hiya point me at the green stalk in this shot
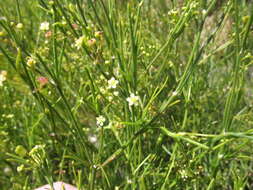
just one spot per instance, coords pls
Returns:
(232, 99)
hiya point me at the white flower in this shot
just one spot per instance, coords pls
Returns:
(44, 26)
(116, 93)
(204, 12)
(79, 42)
(93, 139)
(2, 77)
(31, 62)
(174, 93)
(129, 181)
(112, 83)
(133, 100)
(9, 116)
(7, 170)
(110, 98)
(19, 26)
(100, 121)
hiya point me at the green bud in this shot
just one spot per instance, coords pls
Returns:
(21, 151)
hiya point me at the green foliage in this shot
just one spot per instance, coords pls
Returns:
(130, 94)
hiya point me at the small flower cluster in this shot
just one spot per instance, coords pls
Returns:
(110, 89)
(183, 174)
(87, 40)
(79, 42)
(112, 84)
(44, 26)
(100, 121)
(19, 26)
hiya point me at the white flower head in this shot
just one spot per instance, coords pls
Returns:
(133, 100)
(93, 139)
(112, 83)
(31, 62)
(79, 42)
(44, 26)
(183, 174)
(100, 121)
